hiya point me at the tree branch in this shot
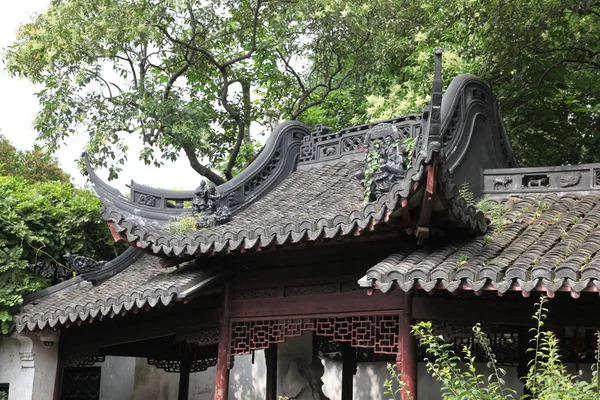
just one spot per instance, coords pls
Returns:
(199, 168)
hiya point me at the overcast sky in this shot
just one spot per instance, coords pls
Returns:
(19, 105)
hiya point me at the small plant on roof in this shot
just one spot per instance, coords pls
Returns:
(466, 193)
(182, 224)
(494, 211)
(462, 260)
(374, 161)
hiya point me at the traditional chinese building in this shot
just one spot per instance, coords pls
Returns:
(310, 266)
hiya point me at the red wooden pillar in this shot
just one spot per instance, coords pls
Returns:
(222, 380)
(406, 360)
(271, 364)
(184, 373)
(348, 370)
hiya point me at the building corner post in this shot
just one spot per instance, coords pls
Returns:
(222, 379)
(406, 360)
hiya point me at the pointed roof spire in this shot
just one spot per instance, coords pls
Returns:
(436, 98)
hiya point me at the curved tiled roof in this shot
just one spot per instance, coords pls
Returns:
(305, 188)
(142, 284)
(320, 202)
(546, 243)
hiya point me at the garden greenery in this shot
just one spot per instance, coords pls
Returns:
(547, 378)
(40, 222)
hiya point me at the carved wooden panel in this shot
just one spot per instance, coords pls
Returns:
(175, 365)
(310, 289)
(81, 383)
(264, 293)
(379, 332)
(200, 337)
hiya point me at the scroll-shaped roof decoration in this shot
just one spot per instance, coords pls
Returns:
(303, 185)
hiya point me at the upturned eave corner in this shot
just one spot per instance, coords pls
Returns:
(276, 161)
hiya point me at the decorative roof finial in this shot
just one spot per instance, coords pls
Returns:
(436, 97)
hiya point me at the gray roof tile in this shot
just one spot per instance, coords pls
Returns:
(143, 283)
(321, 202)
(547, 243)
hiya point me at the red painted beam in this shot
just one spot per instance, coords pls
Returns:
(222, 379)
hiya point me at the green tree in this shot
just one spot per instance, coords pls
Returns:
(36, 165)
(185, 75)
(541, 58)
(41, 222)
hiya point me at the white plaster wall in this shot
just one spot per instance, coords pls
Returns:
(369, 378)
(45, 361)
(126, 378)
(154, 383)
(367, 383)
(20, 379)
(117, 378)
(248, 381)
(202, 384)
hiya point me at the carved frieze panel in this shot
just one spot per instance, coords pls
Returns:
(567, 178)
(597, 177)
(255, 294)
(324, 145)
(82, 359)
(201, 337)
(262, 175)
(148, 200)
(175, 365)
(310, 289)
(379, 332)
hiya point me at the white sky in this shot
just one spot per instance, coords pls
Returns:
(19, 105)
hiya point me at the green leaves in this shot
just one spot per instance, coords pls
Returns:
(40, 222)
(547, 377)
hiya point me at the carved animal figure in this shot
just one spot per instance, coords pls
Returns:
(541, 182)
(502, 182)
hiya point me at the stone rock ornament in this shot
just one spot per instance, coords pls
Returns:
(569, 180)
(384, 163)
(207, 204)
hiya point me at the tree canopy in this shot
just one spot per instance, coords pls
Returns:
(184, 75)
(36, 165)
(43, 218)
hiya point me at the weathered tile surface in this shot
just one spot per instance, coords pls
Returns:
(143, 283)
(544, 242)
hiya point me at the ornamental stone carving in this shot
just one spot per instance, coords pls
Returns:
(207, 204)
(385, 162)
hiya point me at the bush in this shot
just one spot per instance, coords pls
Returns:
(39, 223)
(547, 377)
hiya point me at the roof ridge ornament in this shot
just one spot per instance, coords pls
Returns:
(207, 205)
(433, 112)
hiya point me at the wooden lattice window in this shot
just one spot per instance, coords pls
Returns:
(379, 332)
(81, 383)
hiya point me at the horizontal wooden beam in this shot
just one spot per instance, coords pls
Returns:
(333, 303)
(564, 312)
(142, 326)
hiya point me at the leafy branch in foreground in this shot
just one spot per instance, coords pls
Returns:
(41, 222)
(547, 377)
